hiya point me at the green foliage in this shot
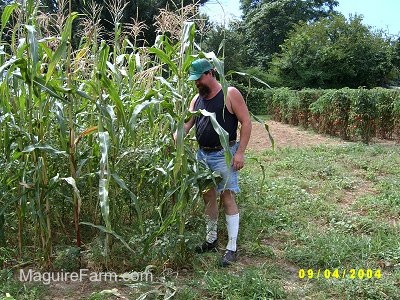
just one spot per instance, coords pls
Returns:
(87, 143)
(396, 113)
(228, 43)
(363, 113)
(258, 99)
(330, 112)
(267, 24)
(2, 236)
(285, 103)
(385, 100)
(13, 289)
(67, 259)
(348, 113)
(252, 283)
(306, 98)
(334, 53)
(396, 56)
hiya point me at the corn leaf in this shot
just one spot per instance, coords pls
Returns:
(43, 147)
(33, 46)
(71, 181)
(165, 59)
(7, 12)
(104, 178)
(109, 231)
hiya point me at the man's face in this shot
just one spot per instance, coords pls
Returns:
(201, 84)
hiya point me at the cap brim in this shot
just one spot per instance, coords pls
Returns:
(195, 76)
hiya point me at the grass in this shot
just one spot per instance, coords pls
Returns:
(320, 208)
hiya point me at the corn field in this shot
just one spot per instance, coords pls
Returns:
(87, 152)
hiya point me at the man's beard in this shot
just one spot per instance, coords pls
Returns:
(204, 91)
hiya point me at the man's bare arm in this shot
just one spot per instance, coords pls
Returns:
(239, 108)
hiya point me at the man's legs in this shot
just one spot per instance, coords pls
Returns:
(211, 205)
(228, 187)
(211, 211)
(229, 203)
(232, 218)
(232, 223)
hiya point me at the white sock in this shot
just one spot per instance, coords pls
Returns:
(232, 224)
(211, 228)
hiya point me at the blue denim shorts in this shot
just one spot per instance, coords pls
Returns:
(216, 162)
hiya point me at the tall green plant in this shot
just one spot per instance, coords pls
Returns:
(87, 138)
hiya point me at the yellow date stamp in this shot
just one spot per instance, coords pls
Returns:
(340, 273)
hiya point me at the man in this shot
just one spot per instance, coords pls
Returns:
(211, 153)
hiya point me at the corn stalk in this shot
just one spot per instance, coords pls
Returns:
(87, 132)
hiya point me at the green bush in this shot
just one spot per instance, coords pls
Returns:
(331, 112)
(396, 113)
(306, 98)
(284, 104)
(363, 113)
(385, 118)
(320, 111)
(258, 99)
(348, 113)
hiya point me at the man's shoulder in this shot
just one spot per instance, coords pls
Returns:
(195, 98)
(233, 92)
(232, 89)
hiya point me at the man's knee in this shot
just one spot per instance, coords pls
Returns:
(227, 194)
(227, 197)
(210, 195)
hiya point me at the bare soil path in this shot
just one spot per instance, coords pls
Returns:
(294, 136)
(286, 136)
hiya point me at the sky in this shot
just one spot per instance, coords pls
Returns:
(379, 14)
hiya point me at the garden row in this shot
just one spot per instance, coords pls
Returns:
(351, 114)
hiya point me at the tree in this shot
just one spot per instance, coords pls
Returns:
(267, 24)
(396, 61)
(227, 43)
(334, 53)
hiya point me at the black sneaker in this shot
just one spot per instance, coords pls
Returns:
(206, 247)
(228, 258)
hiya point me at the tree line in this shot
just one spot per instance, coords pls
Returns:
(300, 44)
(293, 43)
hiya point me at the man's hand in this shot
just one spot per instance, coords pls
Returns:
(238, 161)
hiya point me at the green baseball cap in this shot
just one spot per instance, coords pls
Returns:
(198, 67)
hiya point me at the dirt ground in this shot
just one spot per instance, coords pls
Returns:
(286, 135)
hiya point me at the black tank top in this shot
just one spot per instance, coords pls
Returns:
(205, 134)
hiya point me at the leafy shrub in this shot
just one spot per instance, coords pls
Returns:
(363, 113)
(68, 259)
(306, 98)
(385, 118)
(258, 99)
(331, 112)
(284, 103)
(348, 113)
(396, 114)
